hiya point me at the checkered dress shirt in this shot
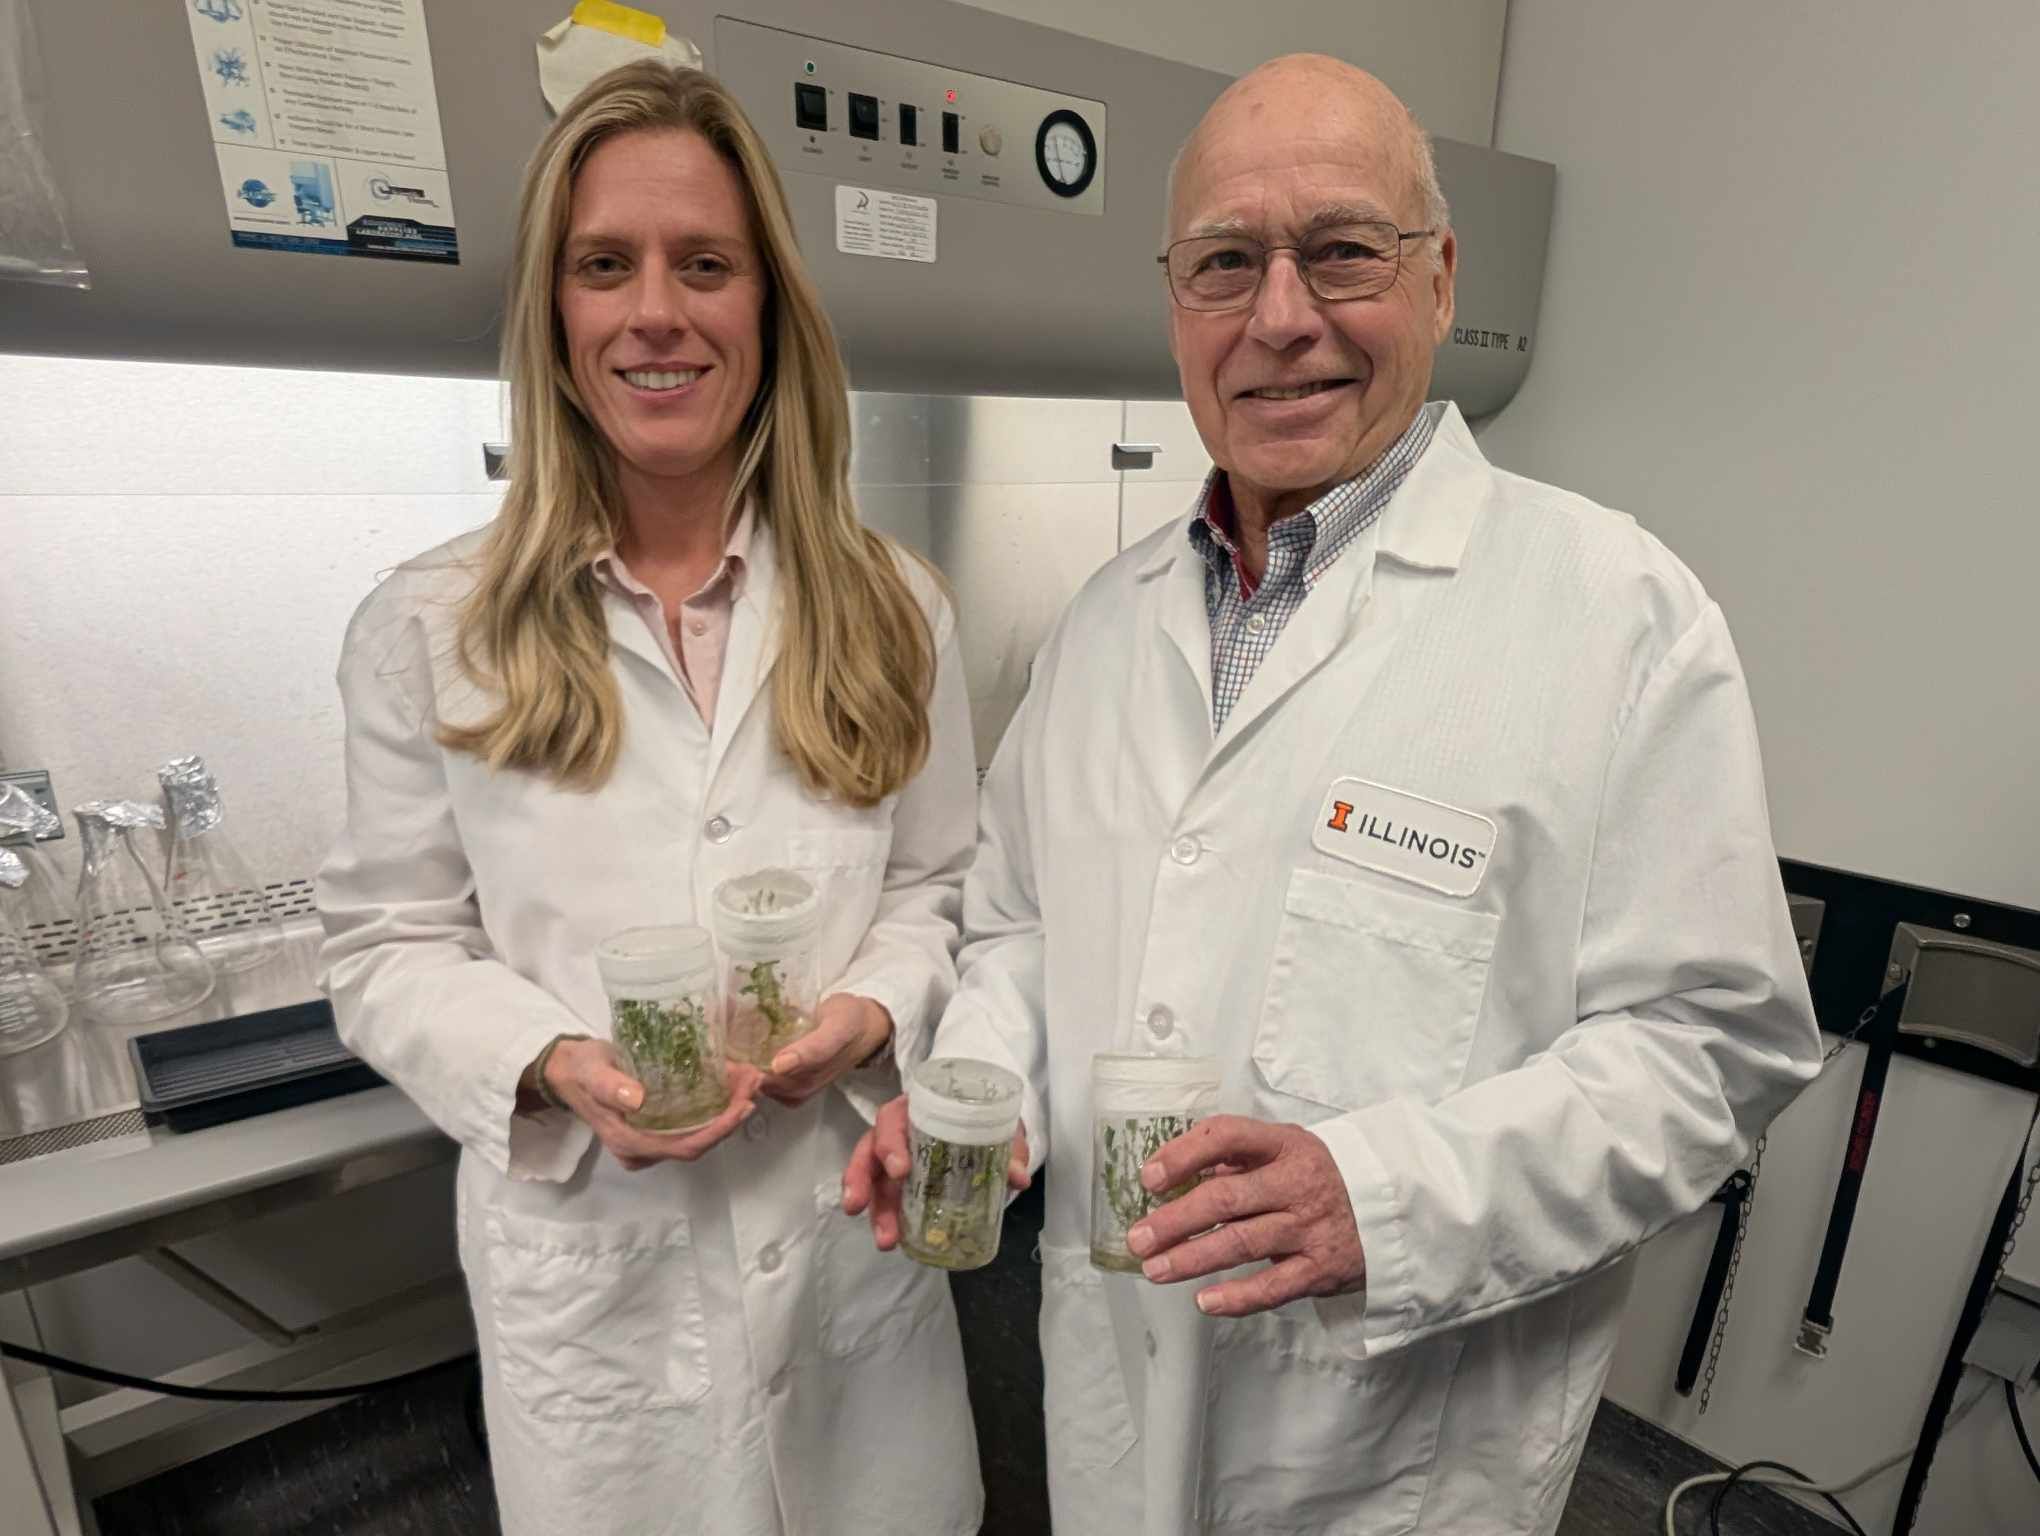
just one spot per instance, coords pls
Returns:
(1244, 626)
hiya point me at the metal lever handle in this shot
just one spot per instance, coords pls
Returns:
(1134, 455)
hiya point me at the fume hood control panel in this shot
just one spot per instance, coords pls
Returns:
(875, 119)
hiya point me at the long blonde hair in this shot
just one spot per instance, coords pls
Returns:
(856, 660)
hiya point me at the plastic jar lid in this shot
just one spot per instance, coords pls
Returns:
(768, 908)
(1155, 1084)
(962, 1100)
(1169, 1071)
(639, 957)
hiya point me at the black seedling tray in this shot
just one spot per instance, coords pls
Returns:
(208, 1074)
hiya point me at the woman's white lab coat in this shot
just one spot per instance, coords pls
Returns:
(1537, 991)
(694, 1348)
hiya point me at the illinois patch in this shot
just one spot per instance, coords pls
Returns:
(1408, 837)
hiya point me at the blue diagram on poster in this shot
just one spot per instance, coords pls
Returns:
(256, 193)
(242, 121)
(230, 66)
(311, 189)
(218, 10)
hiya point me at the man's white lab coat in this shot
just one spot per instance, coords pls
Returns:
(1535, 988)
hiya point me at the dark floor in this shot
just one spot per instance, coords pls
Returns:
(405, 1463)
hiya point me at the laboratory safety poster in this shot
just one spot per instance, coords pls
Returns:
(325, 121)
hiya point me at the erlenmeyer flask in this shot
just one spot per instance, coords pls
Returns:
(42, 906)
(135, 962)
(212, 892)
(32, 1010)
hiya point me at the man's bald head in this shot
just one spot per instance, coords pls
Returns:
(1306, 93)
(1306, 178)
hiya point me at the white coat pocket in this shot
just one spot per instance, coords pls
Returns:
(596, 1320)
(1089, 1417)
(1372, 994)
(864, 1298)
(848, 865)
(1310, 1441)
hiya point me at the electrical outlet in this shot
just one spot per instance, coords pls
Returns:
(37, 783)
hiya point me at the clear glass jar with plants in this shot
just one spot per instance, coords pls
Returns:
(663, 1022)
(961, 1118)
(766, 927)
(1138, 1105)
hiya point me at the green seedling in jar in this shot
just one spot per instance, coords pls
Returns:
(668, 1050)
(954, 1202)
(1124, 1147)
(773, 1019)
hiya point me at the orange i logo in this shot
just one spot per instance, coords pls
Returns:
(1340, 811)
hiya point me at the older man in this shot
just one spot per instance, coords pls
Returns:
(1424, 798)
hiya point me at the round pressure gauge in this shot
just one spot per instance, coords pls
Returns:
(1065, 153)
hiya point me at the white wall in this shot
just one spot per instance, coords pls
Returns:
(183, 546)
(1782, 324)
(1440, 56)
(1791, 269)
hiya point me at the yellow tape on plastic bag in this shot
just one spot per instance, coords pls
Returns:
(604, 15)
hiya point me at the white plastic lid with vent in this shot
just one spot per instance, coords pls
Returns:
(1154, 1085)
(761, 915)
(967, 1102)
(656, 963)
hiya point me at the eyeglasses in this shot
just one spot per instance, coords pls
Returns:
(1338, 262)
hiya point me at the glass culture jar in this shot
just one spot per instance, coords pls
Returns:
(663, 1021)
(1139, 1103)
(961, 1117)
(765, 934)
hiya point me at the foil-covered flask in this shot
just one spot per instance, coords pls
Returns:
(41, 905)
(213, 894)
(136, 964)
(32, 1010)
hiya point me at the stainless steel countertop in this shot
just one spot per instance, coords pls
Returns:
(85, 1072)
(83, 1198)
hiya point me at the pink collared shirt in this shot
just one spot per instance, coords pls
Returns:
(695, 639)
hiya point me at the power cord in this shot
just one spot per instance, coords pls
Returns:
(1786, 1478)
(1747, 1468)
(51, 1362)
(2019, 1428)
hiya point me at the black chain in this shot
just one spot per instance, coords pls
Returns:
(1742, 1230)
(2019, 1215)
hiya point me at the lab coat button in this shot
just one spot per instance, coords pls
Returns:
(1185, 850)
(768, 1259)
(718, 829)
(1160, 1022)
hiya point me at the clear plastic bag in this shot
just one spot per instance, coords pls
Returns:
(35, 242)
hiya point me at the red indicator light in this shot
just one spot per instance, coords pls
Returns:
(952, 95)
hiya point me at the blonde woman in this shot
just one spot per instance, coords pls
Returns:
(675, 657)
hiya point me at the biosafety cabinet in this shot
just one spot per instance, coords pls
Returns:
(1046, 157)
